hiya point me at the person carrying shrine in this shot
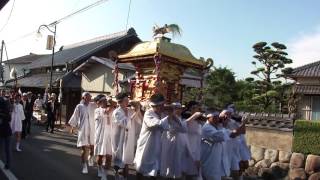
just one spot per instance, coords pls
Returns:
(83, 120)
(174, 145)
(233, 144)
(121, 142)
(214, 153)
(148, 153)
(134, 127)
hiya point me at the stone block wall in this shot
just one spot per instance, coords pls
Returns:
(278, 164)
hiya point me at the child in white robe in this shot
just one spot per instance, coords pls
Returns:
(122, 150)
(102, 146)
(17, 116)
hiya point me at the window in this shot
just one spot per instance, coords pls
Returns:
(315, 108)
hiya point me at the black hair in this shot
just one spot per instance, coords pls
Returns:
(121, 96)
(98, 97)
(157, 98)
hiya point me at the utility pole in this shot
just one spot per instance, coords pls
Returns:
(1, 67)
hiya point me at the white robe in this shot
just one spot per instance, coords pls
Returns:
(233, 146)
(130, 141)
(245, 154)
(147, 158)
(193, 143)
(214, 155)
(83, 119)
(17, 116)
(172, 148)
(102, 145)
(122, 149)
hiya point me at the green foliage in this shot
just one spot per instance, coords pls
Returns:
(270, 62)
(190, 94)
(221, 88)
(306, 137)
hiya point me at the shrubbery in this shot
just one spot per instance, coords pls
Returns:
(306, 138)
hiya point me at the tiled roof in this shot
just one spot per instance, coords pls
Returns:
(282, 122)
(308, 70)
(24, 59)
(104, 61)
(307, 89)
(40, 80)
(80, 51)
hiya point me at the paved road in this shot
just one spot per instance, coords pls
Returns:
(51, 157)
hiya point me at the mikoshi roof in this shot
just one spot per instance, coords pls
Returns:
(309, 70)
(162, 46)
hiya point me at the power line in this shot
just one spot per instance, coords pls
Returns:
(8, 16)
(128, 15)
(22, 37)
(5, 46)
(61, 19)
(79, 11)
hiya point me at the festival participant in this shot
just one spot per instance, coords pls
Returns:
(214, 155)
(52, 107)
(17, 116)
(38, 103)
(121, 142)
(102, 145)
(173, 144)
(5, 129)
(134, 127)
(245, 154)
(148, 153)
(83, 120)
(191, 159)
(27, 103)
(136, 120)
(110, 109)
(233, 144)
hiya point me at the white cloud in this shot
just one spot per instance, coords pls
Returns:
(305, 48)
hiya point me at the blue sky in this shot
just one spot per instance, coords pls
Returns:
(224, 30)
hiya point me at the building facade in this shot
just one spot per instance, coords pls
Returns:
(307, 90)
(66, 59)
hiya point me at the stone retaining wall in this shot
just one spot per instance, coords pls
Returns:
(277, 164)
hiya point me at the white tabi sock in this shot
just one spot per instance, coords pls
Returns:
(99, 171)
(84, 168)
(18, 147)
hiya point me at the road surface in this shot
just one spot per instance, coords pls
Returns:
(49, 156)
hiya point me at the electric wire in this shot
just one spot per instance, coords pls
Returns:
(128, 14)
(5, 24)
(61, 19)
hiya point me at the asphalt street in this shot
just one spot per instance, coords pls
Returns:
(48, 156)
